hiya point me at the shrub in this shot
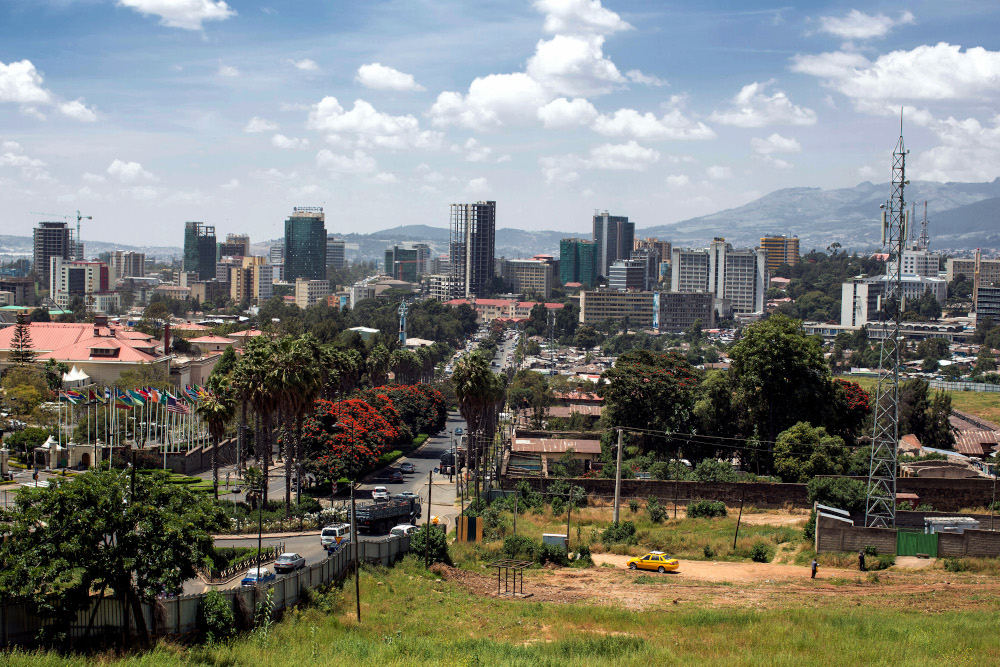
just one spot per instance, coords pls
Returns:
(809, 530)
(438, 547)
(519, 547)
(558, 505)
(551, 553)
(955, 565)
(925, 507)
(583, 555)
(706, 509)
(883, 562)
(840, 492)
(621, 533)
(713, 470)
(761, 552)
(633, 505)
(870, 550)
(709, 551)
(655, 510)
(215, 616)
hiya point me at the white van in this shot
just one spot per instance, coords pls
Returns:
(328, 537)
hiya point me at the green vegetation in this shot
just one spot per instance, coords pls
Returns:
(706, 509)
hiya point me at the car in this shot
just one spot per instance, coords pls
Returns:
(380, 493)
(396, 476)
(330, 534)
(407, 495)
(257, 575)
(402, 529)
(407, 468)
(654, 560)
(289, 562)
(458, 431)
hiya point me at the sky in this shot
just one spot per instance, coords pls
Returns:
(148, 113)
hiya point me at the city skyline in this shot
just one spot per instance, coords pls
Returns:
(231, 113)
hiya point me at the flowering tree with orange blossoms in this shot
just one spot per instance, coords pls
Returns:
(420, 406)
(363, 435)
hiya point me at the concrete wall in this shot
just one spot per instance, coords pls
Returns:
(759, 494)
(198, 459)
(981, 543)
(833, 536)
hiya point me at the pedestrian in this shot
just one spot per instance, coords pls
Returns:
(815, 566)
(861, 560)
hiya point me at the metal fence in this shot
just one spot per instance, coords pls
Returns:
(20, 623)
(964, 386)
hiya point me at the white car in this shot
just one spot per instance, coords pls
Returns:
(402, 530)
(328, 538)
(380, 493)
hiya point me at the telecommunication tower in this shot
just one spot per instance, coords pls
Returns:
(402, 322)
(880, 507)
(924, 240)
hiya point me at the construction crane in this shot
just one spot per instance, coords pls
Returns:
(69, 217)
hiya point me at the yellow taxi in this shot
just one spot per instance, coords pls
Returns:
(654, 560)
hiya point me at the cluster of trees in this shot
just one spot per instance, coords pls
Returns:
(816, 279)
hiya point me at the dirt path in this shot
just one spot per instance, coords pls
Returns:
(743, 573)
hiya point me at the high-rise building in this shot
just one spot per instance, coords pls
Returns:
(52, 239)
(407, 261)
(305, 244)
(737, 279)
(277, 254)
(614, 237)
(236, 245)
(527, 276)
(128, 264)
(627, 274)
(577, 261)
(663, 247)
(94, 282)
(780, 250)
(336, 252)
(310, 292)
(199, 249)
(471, 246)
(651, 259)
(251, 280)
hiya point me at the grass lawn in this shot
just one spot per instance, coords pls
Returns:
(414, 617)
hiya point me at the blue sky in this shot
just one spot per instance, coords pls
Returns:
(147, 113)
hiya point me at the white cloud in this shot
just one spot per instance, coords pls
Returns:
(753, 107)
(858, 25)
(563, 113)
(258, 124)
(678, 180)
(474, 151)
(775, 144)
(228, 71)
(78, 111)
(574, 66)
(281, 141)
(969, 151)
(21, 83)
(32, 169)
(93, 178)
(369, 126)
(382, 77)
(635, 76)
(231, 184)
(940, 72)
(477, 186)
(358, 162)
(560, 169)
(630, 123)
(579, 17)
(129, 172)
(492, 101)
(306, 64)
(630, 156)
(386, 177)
(719, 173)
(274, 175)
(185, 14)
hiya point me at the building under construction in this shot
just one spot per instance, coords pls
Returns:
(471, 245)
(199, 249)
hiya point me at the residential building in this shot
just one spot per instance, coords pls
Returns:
(199, 249)
(6, 298)
(677, 311)
(737, 279)
(277, 254)
(305, 244)
(223, 267)
(989, 269)
(211, 344)
(22, 287)
(175, 292)
(627, 274)
(407, 261)
(780, 250)
(94, 282)
(309, 292)
(472, 244)
(336, 252)
(988, 302)
(236, 245)
(614, 237)
(662, 247)
(599, 305)
(689, 271)
(919, 262)
(128, 264)
(51, 239)
(360, 292)
(251, 281)
(577, 261)
(528, 276)
(440, 264)
(208, 291)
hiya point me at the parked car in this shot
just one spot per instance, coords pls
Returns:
(257, 575)
(402, 529)
(407, 468)
(654, 560)
(396, 476)
(381, 493)
(289, 562)
(328, 536)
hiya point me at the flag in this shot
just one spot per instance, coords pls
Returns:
(137, 398)
(121, 403)
(94, 397)
(154, 395)
(71, 396)
(107, 394)
(175, 406)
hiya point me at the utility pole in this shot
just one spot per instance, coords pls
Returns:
(354, 541)
(618, 477)
(427, 525)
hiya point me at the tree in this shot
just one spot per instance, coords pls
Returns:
(923, 417)
(530, 390)
(217, 410)
(299, 379)
(803, 452)
(54, 371)
(226, 363)
(480, 393)
(101, 532)
(22, 350)
(714, 470)
(587, 337)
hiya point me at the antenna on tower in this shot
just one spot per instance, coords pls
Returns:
(924, 242)
(880, 505)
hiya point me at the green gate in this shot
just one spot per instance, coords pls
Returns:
(912, 543)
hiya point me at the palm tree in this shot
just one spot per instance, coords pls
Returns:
(480, 393)
(217, 410)
(297, 378)
(255, 379)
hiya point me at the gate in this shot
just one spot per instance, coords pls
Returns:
(912, 543)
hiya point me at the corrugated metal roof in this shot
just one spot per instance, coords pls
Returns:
(556, 446)
(568, 410)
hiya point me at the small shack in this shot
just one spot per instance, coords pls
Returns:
(949, 524)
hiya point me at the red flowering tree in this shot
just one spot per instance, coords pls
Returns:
(363, 436)
(421, 408)
(850, 411)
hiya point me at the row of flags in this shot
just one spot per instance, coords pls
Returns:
(127, 399)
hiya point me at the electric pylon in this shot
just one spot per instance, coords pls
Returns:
(880, 507)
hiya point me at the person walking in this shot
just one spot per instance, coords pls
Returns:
(861, 560)
(815, 566)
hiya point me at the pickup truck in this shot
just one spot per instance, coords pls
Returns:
(379, 517)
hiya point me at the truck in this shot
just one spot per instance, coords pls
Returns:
(379, 517)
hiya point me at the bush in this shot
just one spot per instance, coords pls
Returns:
(713, 470)
(655, 510)
(706, 509)
(883, 562)
(955, 565)
(519, 547)
(840, 492)
(551, 553)
(622, 533)
(215, 616)
(761, 552)
(583, 555)
(709, 551)
(633, 505)
(438, 544)
(558, 505)
(809, 530)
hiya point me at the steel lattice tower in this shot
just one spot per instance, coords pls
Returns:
(880, 508)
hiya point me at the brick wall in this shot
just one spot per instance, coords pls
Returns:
(978, 543)
(833, 536)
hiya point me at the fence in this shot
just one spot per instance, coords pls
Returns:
(20, 623)
(217, 577)
(964, 386)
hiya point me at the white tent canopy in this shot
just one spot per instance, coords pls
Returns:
(76, 376)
